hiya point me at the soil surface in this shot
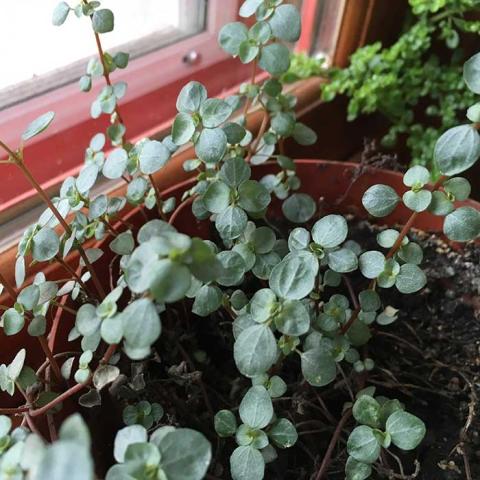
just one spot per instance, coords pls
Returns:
(429, 359)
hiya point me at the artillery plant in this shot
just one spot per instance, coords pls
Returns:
(279, 283)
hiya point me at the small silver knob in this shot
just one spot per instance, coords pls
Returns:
(192, 58)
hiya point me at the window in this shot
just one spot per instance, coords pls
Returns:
(51, 57)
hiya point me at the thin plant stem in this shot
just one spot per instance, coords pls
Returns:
(51, 359)
(74, 274)
(248, 103)
(263, 128)
(177, 211)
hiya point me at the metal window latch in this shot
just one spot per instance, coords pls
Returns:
(192, 58)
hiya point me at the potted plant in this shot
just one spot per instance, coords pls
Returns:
(200, 327)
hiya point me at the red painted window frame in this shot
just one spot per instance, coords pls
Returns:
(153, 81)
(153, 84)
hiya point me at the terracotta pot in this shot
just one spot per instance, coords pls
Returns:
(326, 181)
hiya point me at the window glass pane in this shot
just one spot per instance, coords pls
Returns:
(327, 27)
(41, 49)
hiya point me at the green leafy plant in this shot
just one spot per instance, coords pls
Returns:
(272, 279)
(413, 83)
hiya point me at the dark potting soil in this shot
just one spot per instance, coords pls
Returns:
(429, 359)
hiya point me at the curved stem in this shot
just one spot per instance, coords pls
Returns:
(51, 360)
(336, 435)
(177, 211)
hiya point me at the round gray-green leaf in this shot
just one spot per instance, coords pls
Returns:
(406, 430)
(214, 112)
(363, 445)
(247, 463)
(225, 423)
(207, 300)
(231, 36)
(235, 171)
(330, 231)
(46, 245)
(285, 23)
(380, 200)
(38, 126)
(304, 135)
(255, 350)
(211, 145)
(471, 73)
(186, 454)
(253, 196)
(355, 470)
(217, 197)
(283, 433)
(343, 260)
(13, 322)
(231, 222)
(128, 436)
(103, 20)
(318, 367)
(294, 277)
(411, 279)
(457, 149)
(371, 263)
(191, 97)
(154, 155)
(60, 13)
(275, 59)
(417, 201)
(293, 319)
(123, 244)
(459, 187)
(171, 281)
(183, 128)
(462, 225)
(366, 410)
(115, 164)
(249, 7)
(299, 208)
(256, 408)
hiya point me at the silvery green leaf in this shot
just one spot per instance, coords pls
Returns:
(207, 300)
(60, 13)
(457, 149)
(253, 196)
(15, 368)
(275, 59)
(121, 59)
(233, 268)
(103, 20)
(225, 423)
(462, 225)
(263, 239)
(369, 300)
(473, 113)
(411, 253)
(283, 124)
(355, 470)
(231, 222)
(45, 245)
(283, 433)
(214, 112)
(38, 126)
(37, 326)
(255, 350)
(380, 200)
(406, 430)
(235, 133)
(342, 260)
(13, 322)
(111, 329)
(249, 7)
(104, 375)
(318, 367)
(231, 36)
(153, 157)
(411, 278)
(217, 197)
(293, 318)
(153, 228)
(417, 201)
(256, 408)
(416, 175)
(304, 135)
(128, 436)
(371, 263)
(299, 208)
(191, 97)
(440, 204)
(330, 231)
(183, 128)
(185, 454)
(141, 325)
(115, 164)
(459, 187)
(261, 32)
(471, 73)
(211, 145)
(162, 287)
(123, 243)
(363, 445)
(247, 463)
(294, 277)
(19, 271)
(286, 23)
(366, 411)
(235, 171)
(299, 239)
